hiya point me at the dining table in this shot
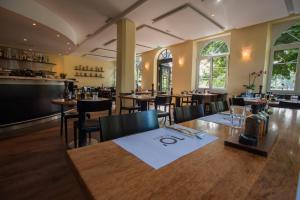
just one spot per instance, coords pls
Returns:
(179, 98)
(215, 171)
(63, 103)
(143, 100)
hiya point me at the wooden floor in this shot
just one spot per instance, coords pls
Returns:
(33, 165)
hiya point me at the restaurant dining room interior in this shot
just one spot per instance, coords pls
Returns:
(150, 99)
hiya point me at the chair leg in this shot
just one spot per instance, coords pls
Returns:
(66, 131)
(75, 134)
(170, 122)
(90, 137)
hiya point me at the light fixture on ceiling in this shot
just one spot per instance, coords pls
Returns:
(33, 24)
(25, 39)
(218, 1)
(212, 15)
(57, 35)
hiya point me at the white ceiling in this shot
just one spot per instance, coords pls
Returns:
(197, 18)
(16, 28)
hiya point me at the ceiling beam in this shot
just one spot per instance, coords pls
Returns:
(184, 6)
(99, 48)
(158, 30)
(113, 20)
(90, 54)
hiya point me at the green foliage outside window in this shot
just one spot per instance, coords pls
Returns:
(213, 67)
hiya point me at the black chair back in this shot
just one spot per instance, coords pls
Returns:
(187, 113)
(112, 127)
(198, 99)
(213, 108)
(84, 106)
(238, 101)
(220, 106)
(162, 100)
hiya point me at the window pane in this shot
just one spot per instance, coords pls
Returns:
(284, 69)
(215, 48)
(292, 35)
(204, 73)
(219, 72)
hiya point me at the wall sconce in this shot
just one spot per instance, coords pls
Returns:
(147, 66)
(181, 61)
(246, 53)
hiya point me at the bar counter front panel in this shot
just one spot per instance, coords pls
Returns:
(26, 99)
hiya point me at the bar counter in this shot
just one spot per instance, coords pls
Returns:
(27, 98)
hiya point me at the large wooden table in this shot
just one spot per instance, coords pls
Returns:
(215, 171)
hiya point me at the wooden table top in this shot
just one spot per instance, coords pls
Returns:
(139, 97)
(64, 102)
(73, 102)
(213, 172)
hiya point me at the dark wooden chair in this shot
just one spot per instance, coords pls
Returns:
(166, 103)
(89, 125)
(238, 101)
(220, 106)
(213, 108)
(113, 127)
(226, 107)
(130, 108)
(197, 99)
(187, 113)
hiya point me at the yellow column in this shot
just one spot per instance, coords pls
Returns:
(125, 57)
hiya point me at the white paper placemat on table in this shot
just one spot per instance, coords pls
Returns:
(224, 119)
(162, 146)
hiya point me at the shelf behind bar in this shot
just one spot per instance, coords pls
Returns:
(14, 59)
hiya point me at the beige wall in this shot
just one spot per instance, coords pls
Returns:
(254, 38)
(66, 65)
(252, 41)
(184, 61)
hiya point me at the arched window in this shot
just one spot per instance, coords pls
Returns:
(285, 61)
(138, 75)
(212, 71)
(164, 72)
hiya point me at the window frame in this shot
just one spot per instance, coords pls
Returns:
(211, 57)
(270, 69)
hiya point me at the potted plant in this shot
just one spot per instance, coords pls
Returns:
(62, 75)
(251, 81)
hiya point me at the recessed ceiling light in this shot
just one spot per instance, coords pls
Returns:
(212, 15)
(57, 35)
(25, 39)
(33, 24)
(219, 1)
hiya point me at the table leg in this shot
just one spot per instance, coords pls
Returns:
(61, 119)
(177, 101)
(82, 139)
(144, 105)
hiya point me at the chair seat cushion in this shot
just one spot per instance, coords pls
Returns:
(161, 113)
